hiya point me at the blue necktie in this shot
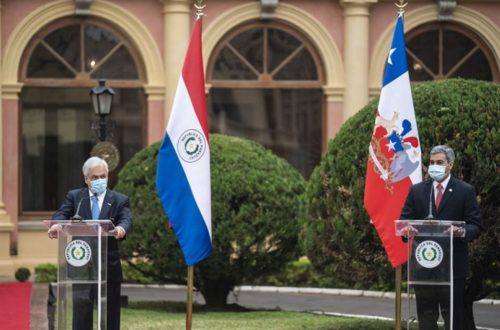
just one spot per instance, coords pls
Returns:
(95, 208)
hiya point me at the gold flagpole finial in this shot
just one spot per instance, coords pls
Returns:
(401, 6)
(199, 5)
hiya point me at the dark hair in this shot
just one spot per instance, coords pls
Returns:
(444, 149)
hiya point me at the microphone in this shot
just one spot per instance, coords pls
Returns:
(77, 216)
(430, 216)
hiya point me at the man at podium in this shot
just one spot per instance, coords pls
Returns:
(97, 202)
(443, 197)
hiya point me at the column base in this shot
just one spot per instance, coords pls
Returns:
(6, 262)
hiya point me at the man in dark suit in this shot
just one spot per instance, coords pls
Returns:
(97, 202)
(452, 199)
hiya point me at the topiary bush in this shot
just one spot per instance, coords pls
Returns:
(337, 235)
(255, 204)
(296, 273)
(46, 273)
(22, 274)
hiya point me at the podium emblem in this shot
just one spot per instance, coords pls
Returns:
(429, 254)
(78, 253)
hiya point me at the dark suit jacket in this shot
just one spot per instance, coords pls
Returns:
(458, 204)
(115, 207)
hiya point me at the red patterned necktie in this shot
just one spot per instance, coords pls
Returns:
(439, 195)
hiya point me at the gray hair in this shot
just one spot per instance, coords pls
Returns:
(93, 162)
(446, 150)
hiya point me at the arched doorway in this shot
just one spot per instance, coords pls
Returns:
(60, 65)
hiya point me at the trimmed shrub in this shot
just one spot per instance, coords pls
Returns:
(132, 275)
(22, 274)
(46, 273)
(297, 273)
(255, 204)
(337, 235)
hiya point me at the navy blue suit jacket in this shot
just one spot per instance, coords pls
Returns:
(115, 207)
(458, 204)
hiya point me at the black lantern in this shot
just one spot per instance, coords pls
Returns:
(102, 99)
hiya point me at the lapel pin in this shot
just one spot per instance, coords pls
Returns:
(109, 204)
(450, 190)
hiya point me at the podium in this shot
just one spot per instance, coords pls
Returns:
(430, 260)
(82, 273)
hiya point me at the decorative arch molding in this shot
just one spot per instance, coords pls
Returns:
(302, 21)
(473, 20)
(50, 12)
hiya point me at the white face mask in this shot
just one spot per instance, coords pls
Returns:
(437, 172)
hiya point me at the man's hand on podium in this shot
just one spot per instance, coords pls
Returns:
(409, 231)
(118, 232)
(457, 231)
(54, 231)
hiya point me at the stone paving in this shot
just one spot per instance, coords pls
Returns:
(39, 296)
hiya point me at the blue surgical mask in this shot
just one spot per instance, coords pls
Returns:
(437, 172)
(98, 186)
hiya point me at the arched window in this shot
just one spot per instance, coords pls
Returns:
(446, 50)
(266, 86)
(60, 65)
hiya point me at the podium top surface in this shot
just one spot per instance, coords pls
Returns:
(83, 227)
(436, 228)
(432, 222)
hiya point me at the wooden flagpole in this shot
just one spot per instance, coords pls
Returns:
(199, 5)
(189, 307)
(397, 326)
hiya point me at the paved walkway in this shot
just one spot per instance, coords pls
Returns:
(39, 296)
(326, 301)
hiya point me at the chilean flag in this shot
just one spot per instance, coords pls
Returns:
(183, 172)
(394, 158)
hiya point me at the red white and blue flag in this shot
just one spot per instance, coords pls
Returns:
(183, 173)
(394, 160)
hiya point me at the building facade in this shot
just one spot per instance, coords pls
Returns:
(285, 73)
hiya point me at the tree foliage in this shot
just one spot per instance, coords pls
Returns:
(337, 235)
(255, 205)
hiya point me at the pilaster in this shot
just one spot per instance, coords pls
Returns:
(356, 54)
(6, 227)
(177, 28)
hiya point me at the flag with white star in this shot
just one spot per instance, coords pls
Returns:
(394, 157)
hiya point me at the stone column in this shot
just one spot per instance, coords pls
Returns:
(356, 54)
(6, 227)
(177, 18)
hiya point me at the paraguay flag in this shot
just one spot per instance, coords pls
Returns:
(183, 173)
(394, 157)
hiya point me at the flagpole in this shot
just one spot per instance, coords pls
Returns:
(397, 326)
(189, 307)
(199, 5)
(401, 6)
(176, 174)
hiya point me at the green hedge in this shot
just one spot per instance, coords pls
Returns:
(255, 205)
(338, 237)
(46, 273)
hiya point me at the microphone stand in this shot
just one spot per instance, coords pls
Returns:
(77, 217)
(430, 216)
